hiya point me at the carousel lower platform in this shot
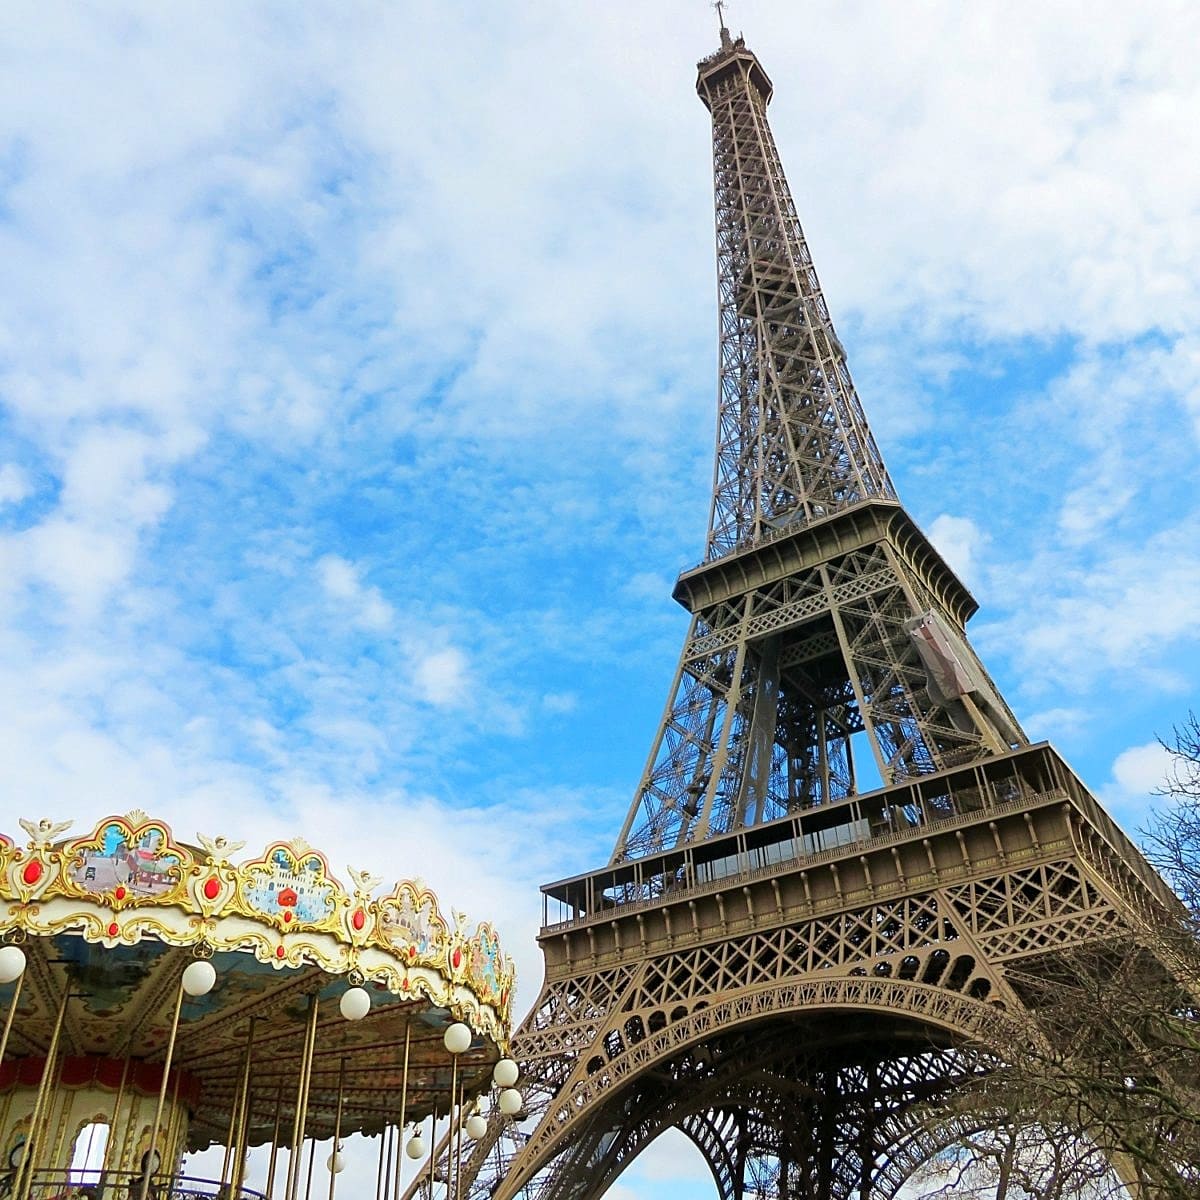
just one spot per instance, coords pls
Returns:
(176, 1000)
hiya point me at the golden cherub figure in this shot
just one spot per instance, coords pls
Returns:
(364, 882)
(219, 848)
(45, 831)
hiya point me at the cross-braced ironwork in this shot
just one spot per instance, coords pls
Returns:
(789, 968)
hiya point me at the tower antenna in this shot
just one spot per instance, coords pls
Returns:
(726, 40)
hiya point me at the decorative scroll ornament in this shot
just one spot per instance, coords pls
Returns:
(31, 872)
(360, 915)
(214, 884)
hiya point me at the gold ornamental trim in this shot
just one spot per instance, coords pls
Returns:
(130, 879)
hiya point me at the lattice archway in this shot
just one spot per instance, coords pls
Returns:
(734, 1115)
(611, 1079)
(611, 1063)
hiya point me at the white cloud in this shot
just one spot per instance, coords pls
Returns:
(1125, 610)
(1057, 722)
(1016, 135)
(1138, 772)
(1141, 770)
(560, 703)
(649, 585)
(15, 484)
(959, 539)
(338, 577)
(363, 606)
(441, 677)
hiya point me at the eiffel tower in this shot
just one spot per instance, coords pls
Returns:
(777, 961)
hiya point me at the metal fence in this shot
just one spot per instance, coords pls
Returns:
(121, 1185)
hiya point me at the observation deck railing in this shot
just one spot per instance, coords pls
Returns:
(678, 890)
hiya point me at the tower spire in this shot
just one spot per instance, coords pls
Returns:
(726, 40)
(793, 444)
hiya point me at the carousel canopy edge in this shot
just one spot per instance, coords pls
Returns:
(130, 879)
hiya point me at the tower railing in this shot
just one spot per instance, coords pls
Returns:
(686, 890)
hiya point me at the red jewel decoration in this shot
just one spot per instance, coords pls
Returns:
(279, 951)
(412, 952)
(212, 887)
(456, 958)
(404, 984)
(119, 893)
(359, 919)
(287, 914)
(32, 872)
(113, 929)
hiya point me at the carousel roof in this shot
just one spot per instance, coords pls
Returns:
(116, 915)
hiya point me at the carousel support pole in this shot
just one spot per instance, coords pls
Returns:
(239, 1158)
(12, 970)
(231, 1131)
(334, 1160)
(458, 1132)
(433, 1150)
(450, 1163)
(18, 964)
(25, 1171)
(312, 1158)
(384, 1172)
(197, 979)
(274, 1143)
(6, 1107)
(456, 1039)
(175, 1128)
(403, 1111)
(113, 1144)
(235, 1109)
(296, 1157)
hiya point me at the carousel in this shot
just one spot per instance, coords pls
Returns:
(158, 998)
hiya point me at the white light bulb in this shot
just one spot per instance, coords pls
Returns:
(505, 1073)
(415, 1147)
(510, 1102)
(336, 1163)
(12, 963)
(457, 1038)
(355, 1003)
(476, 1127)
(199, 977)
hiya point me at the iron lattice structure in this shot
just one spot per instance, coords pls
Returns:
(820, 606)
(786, 967)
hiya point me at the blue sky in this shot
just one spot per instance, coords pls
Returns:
(357, 385)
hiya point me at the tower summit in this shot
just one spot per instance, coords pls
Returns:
(846, 875)
(792, 441)
(821, 612)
